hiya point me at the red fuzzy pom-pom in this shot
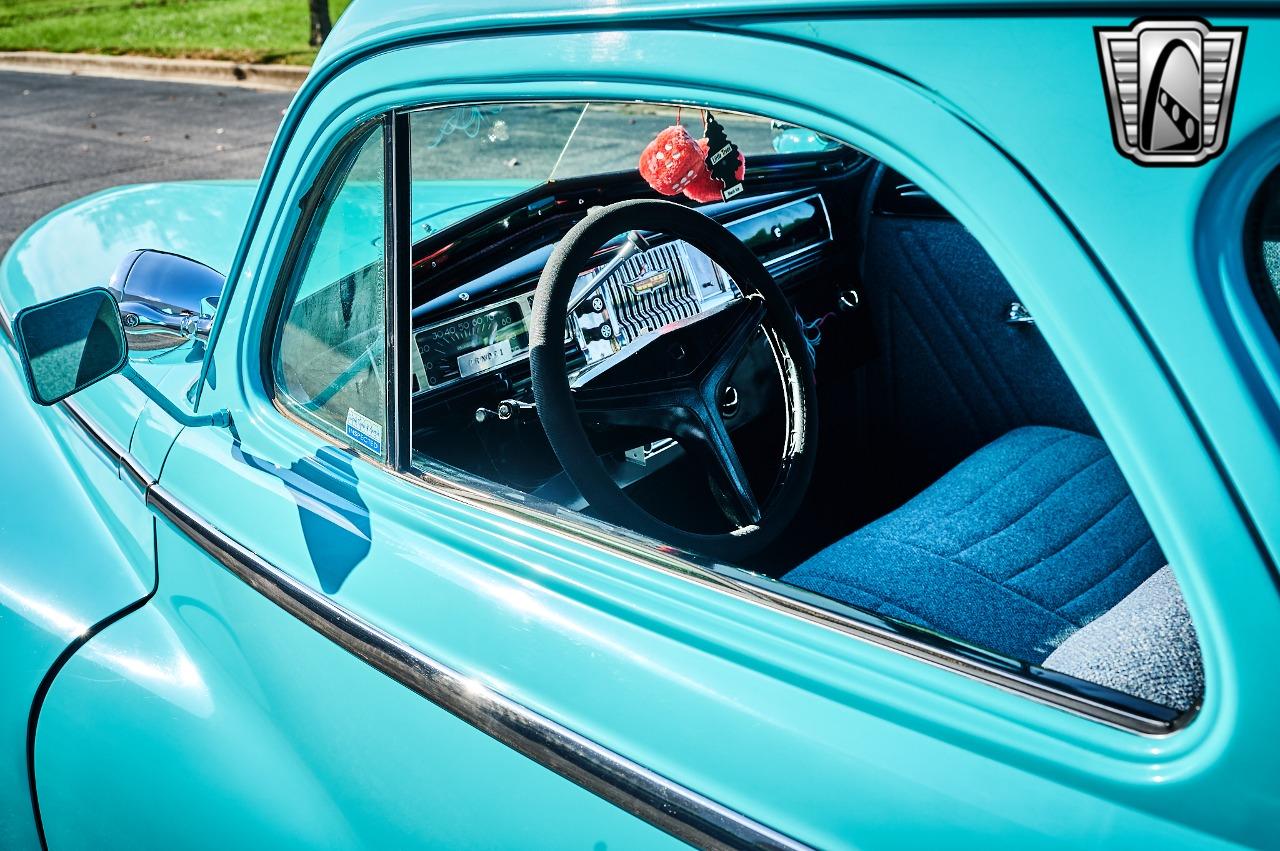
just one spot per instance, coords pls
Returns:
(672, 161)
(704, 187)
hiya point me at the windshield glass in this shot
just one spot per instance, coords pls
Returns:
(467, 158)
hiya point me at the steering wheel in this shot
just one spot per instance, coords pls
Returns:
(673, 382)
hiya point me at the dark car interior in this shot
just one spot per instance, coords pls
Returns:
(956, 482)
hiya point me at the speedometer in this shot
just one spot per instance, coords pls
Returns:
(474, 343)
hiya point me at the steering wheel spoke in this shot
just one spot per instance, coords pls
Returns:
(658, 409)
(705, 437)
(736, 327)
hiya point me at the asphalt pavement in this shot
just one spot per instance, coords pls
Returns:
(63, 137)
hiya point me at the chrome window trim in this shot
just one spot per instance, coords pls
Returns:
(933, 648)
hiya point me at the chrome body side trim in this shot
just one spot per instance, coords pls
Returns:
(128, 463)
(680, 812)
(1079, 697)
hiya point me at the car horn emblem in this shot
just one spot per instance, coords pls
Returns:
(1170, 86)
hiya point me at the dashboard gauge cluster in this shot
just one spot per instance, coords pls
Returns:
(476, 342)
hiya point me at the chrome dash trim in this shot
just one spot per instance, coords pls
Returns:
(804, 249)
(679, 811)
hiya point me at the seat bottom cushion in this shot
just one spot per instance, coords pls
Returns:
(1146, 646)
(1017, 547)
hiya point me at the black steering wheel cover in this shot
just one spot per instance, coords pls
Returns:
(559, 415)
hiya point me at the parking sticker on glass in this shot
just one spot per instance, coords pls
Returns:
(366, 432)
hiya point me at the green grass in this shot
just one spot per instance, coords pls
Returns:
(240, 30)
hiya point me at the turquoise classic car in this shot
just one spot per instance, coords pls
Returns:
(622, 425)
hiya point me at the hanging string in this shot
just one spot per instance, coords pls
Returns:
(678, 108)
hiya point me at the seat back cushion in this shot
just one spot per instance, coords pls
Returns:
(952, 373)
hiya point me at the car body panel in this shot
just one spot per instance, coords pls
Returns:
(656, 640)
(198, 219)
(57, 481)
(371, 25)
(211, 669)
(830, 740)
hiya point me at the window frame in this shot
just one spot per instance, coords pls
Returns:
(1094, 702)
(312, 204)
(1265, 290)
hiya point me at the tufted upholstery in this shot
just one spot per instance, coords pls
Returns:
(952, 375)
(1017, 547)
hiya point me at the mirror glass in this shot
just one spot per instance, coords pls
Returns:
(69, 343)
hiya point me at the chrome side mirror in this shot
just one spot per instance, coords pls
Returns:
(165, 299)
(70, 343)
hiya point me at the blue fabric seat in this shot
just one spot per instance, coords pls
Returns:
(1014, 549)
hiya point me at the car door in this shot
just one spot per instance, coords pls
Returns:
(345, 651)
(252, 725)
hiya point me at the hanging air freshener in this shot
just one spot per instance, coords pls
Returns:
(725, 165)
(709, 169)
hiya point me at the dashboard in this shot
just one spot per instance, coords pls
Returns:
(613, 304)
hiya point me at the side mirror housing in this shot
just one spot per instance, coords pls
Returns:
(165, 299)
(70, 343)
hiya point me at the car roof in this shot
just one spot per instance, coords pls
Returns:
(370, 23)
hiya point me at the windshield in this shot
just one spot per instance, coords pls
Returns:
(467, 158)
